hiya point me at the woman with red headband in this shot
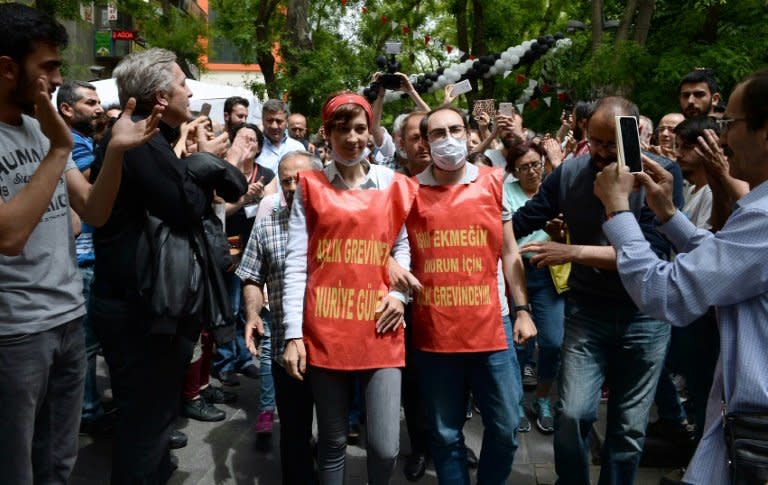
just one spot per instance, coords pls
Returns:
(341, 319)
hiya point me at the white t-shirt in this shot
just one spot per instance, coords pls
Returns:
(698, 205)
(41, 288)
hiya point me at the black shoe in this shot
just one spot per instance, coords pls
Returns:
(675, 477)
(103, 426)
(226, 378)
(177, 440)
(250, 371)
(529, 378)
(202, 411)
(415, 467)
(353, 435)
(471, 457)
(217, 395)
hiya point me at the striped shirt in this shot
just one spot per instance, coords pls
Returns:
(729, 271)
(263, 261)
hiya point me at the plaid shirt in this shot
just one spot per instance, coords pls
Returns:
(263, 262)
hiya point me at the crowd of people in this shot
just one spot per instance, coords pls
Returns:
(441, 267)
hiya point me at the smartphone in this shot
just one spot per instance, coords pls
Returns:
(484, 106)
(628, 143)
(460, 88)
(506, 109)
(205, 110)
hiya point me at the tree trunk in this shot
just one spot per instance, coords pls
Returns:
(298, 36)
(264, 55)
(597, 24)
(626, 21)
(462, 34)
(644, 16)
(708, 31)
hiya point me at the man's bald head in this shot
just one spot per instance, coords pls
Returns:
(601, 127)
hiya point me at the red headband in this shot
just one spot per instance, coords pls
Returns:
(349, 98)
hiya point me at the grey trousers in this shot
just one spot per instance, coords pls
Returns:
(332, 391)
(41, 393)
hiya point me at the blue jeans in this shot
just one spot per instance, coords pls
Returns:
(495, 381)
(92, 409)
(548, 308)
(626, 349)
(267, 384)
(235, 356)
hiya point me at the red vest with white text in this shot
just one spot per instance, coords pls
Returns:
(351, 233)
(456, 239)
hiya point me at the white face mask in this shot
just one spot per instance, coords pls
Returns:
(449, 153)
(349, 163)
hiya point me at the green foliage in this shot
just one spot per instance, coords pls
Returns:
(175, 30)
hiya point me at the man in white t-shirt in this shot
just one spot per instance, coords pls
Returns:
(697, 194)
(42, 352)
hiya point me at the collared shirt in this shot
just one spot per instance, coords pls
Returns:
(377, 178)
(426, 177)
(83, 155)
(271, 154)
(729, 271)
(263, 262)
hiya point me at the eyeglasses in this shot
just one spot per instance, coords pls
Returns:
(724, 124)
(289, 180)
(611, 147)
(530, 167)
(456, 131)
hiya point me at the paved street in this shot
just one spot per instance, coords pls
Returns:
(227, 452)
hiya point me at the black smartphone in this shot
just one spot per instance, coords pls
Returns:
(628, 143)
(205, 110)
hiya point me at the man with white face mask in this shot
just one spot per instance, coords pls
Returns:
(462, 332)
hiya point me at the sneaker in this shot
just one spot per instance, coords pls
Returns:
(265, 422)
(543, 412)
(524, 425)
(529, 378)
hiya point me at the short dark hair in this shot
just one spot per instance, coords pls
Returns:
(517, 151)
(754, 102)
(690, 129)
(23, 27)
(232, 101)
(235, 128)
(702, 75)
(425, 120)
(68, 92)
(583, 110)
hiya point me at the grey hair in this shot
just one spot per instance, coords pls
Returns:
(142, 74)
(397, 126)
(313, 160)
(275, 106)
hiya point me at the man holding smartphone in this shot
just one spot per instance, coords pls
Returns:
(606, 338)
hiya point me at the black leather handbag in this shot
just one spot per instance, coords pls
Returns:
(746, 435)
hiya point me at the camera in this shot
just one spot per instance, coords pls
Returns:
(390, 66)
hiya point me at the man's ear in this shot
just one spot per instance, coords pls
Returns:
(715, 99)
(161, 98)
(9, 69)
(66, 110)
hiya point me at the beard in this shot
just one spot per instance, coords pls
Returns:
(601, 162)
(23, 94)
(83, 126)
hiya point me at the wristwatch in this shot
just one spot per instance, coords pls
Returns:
(526, 307)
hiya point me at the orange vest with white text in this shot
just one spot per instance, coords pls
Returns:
(351, 233)
(456, 239)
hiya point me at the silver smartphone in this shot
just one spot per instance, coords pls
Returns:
(628, 143)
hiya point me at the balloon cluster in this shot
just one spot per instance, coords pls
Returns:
(482, 67)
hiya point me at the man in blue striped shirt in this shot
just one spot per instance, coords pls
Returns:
(728, 270)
